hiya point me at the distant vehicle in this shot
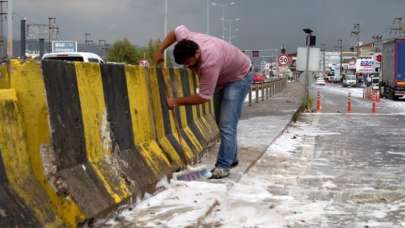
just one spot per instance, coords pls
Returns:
(349, 80)
(258, 78)
(393, 69)
(74, 56)
(375, 81)
(320, 81)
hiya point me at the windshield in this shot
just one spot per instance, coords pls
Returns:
(351, 77)
(65, 58)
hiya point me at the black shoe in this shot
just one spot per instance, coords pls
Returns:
(235, 163)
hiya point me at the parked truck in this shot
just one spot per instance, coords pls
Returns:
(393, 69)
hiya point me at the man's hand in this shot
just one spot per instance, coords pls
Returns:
(159, 56)
(171, 102)
(168, 40)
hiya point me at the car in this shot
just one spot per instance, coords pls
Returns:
(258, 78)
(74, 56)
(320, 81)
(375, 83)
(349, 80)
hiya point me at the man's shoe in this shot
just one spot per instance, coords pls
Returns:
(235, 163)
(218, 173)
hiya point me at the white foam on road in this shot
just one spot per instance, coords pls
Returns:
(396, 153)
(338, 90)
(180, 205)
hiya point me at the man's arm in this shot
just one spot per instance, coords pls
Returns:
(169, 40)
(189, 100)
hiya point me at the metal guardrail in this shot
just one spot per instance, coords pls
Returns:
(267, 89)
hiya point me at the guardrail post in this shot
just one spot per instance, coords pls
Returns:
(250, 95)
(257, 92)
(262, 88)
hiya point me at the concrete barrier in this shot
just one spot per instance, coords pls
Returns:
(26, 78)
(133, 129)
(205, 121)
(89, 137)
(166, 120)
(192, 121)
(22, 201)
(78, 174)
(192, 134)
(4, 77)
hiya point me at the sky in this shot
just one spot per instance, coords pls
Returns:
(262, 24)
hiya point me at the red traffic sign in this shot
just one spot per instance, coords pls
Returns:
(283, 60)
(378, 58)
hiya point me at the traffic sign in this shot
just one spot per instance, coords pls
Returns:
(283, 60)
(255, 53)
(64, 46)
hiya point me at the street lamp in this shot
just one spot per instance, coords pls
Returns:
(307, 31)
(230, 21)
(223, 5)
(165, 32)
(207, 23)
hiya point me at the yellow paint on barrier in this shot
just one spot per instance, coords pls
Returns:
(201, 124)
(183, 115)
(96, 133)
(26, 78)
(143, 122)
(17, 161)
(174, 123)
(4, 77)
(157, 111)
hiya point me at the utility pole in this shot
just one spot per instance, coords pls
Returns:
(165, 33)
(377, 42)
(51, 27)
(86, 38)
(2, 46)
(230, 32)
(10, 28)
(309, 32)
(208, 17)
(356, 33)
(396, 28)
(323, 58)
(23, 39)
(340, 43)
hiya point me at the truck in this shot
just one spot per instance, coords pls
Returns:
(393, 69)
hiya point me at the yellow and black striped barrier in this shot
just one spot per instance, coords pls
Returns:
(79, 139)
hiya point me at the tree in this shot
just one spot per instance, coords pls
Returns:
(123, 51)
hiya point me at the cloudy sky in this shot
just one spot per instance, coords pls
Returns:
(262, 24)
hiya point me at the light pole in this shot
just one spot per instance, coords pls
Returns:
(223, 5)
(323, 59)
(208, 18)
(165, 32)
(10, 29)
(340, 43)
(307, 31)
(230, 21)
